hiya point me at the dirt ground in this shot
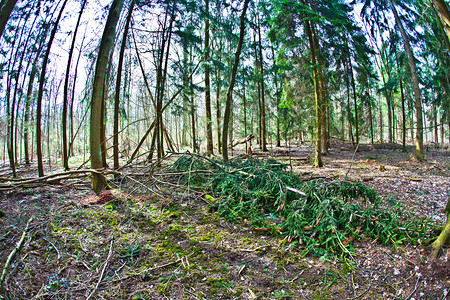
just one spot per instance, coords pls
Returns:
(159, 245)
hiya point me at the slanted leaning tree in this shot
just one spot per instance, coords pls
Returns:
(419, 154)
(106, 46)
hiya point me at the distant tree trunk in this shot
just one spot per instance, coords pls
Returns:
(324, 112)
(41, 93)
(370, 119)
(263, 99)
(369, 104)
(419, 153)
(72, 100)
(349, 113)
(103, 116)
(192, 111)
(402, 96)
(435, 122)
(381, 123)
(245, 114)
(117, 93)
(209, 133)
(218, 113)
(5, 12)
(10, 104)
(352, 78)
(66, 90)
(193, 118)
(323, 94)
(318, 152)
(27, 113)
(277, 96)
(106, 46)
(227, 113)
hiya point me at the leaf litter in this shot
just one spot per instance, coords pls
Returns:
(162, 238)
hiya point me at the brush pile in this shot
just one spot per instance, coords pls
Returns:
(318, 216)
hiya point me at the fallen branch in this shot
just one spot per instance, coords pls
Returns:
(13, 253)
(243, 141)
(103, 270)
(55, 178)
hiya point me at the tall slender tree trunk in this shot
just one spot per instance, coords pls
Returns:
(349, 113)
(218, 113)
(277, 97)
(66, 90)
(27, 113)
(117, 93)
(106, 46)
(72, 100)
(41, 93)
(209, 133)
(5, 12)
(227, 113)
(318, 151)
(419, 153)
(354, 100)
(263, 99)
(444, 13)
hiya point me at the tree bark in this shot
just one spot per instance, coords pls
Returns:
(66, 90)
(27, 113)
(117, 93)
(5, 12)
(263, 99)
(444, 13)
(277, 96)
(106, 46)
(354, 99)
(41, 93)
(209, 135)
(318, 151)
(419, 153)
(444, 238)
(227, 113)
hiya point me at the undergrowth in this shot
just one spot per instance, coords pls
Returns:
(320, 217)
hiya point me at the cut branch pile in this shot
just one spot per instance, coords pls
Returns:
(321, 217)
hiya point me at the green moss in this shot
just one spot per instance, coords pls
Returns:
(214, 281)
(164, 288)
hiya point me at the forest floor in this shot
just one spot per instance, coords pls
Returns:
(129, 245)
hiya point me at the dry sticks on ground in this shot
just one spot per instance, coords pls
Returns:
(52, 179)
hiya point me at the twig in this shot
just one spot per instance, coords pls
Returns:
(295, 191)
(103, 270)
(415, 288)
(14, 251)
(57, 251)
(154, 268)
(351, 163)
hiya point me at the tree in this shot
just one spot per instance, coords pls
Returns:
(209, 136)
(226, 117)
(419, 153)
(66, 90)
(118, 83)
(445, 16)
(106, 46)
(41, 92)
(5, 11)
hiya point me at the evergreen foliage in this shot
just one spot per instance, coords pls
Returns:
(321, 217)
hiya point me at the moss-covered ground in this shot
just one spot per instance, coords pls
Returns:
(158, 245)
